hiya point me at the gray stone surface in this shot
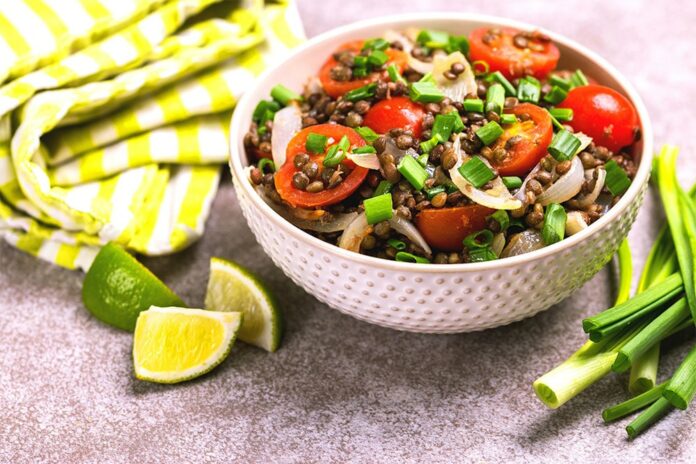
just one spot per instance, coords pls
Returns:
(341, 390)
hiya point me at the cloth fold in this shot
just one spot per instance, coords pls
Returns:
(113, 127)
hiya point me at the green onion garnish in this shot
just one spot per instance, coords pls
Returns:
(502, 80)
(266, 163)
(360, 61)
(383, 187)
(490, 132)
(458, 123)
(473, 105)
(482, 254)
(394, 74)
(617, 180)
(528, 90)
(377, 58)
(376, 44)
(512, 182)
(398, 244)
(364, 149)
(284, 95)
(425, 92)
(556, 95)
(413, 172)
(423, 159)
(476, 172)
(555, 79)
(359, 72)
(334, 156)
(564, 145)
(578, 79)
(316, 143)
(428, 145)
(481, 239)
(361, 93)
(562, 114)
(458, 43)
(264, 111)
(483, 65)
(444, 125)
(379, 208)
(554, 224)
(502, 218)
(508, 119)
(405, 257)
(495, 98)
(433, 39)
(367, 134)
(434, 191)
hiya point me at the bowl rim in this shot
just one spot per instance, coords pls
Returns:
(238, 128)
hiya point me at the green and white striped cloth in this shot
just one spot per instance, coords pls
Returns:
(114, 117)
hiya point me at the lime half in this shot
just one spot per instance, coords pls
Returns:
(117, 287)
(233, 288)
(171, 345)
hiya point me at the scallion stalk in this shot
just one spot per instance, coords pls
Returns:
(643, 374)
(682, 387)
(634, 404)
(625, 272)
(648, 417)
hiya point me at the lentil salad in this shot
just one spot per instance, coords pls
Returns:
(424, 146)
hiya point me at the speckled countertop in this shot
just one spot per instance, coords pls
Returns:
(341, 390)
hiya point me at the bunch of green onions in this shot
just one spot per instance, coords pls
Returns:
(628, 335)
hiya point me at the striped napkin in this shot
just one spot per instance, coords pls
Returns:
(114, 117)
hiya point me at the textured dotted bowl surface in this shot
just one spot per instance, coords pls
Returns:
(434, 298)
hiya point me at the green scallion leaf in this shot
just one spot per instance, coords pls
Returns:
(434, 191)
(498, 77)
(316, 143)
(414, 173)
(508, 118)
(578, 79)
(562, 114)
(367, 134)
(476, 172)
(378, 208)
(405, 257)
(458, 43)
(481, 239)
(444, 125)
(377, 58)
(634, 404)
(495, 98)
(425, 92)
(361, 93)
(556, 95)
(433, 39)
(264, 111)
(423, 159)
(482, 254)
(655, 412)
(681, 388)
(334, 156)
(490, 132)
(528, 90)
(512, 182)
(383, 187)
(364, 149)
(480, 67)
(502, 218)
(284, 95)
(564, 145)
(554, 224)
(617, 180)
(557, 80)
(428, 145)
(377, 43)
(394, 74)
(473, 105)
(397, 244)
(266, 163)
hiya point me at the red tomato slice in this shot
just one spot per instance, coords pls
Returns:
(603, 114)
(499, 51)
(336, 88)
(446, 228)
(536, 134)
(395, 113)
(304, 199)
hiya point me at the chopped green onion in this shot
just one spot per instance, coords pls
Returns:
(562, 114)
(682, 386)
(458, 123)
(556, 95)
(482, 64)
(377, 58)
(555, 121)
(528, 90)
(435, 191)
(433, 39)
(344, 144)
(495, 98)
(498, 77)
(643, 374)
(634, 404)
(482, 254)
(508, 118)
(379, 208)
(554, 224)
(481, 239)
(360, 61)
(451, 187)
(263, 129)
(398, 244)
(617, 180)
(360, 72)
(316, 143)
(473, 105)
(564, 145)
(490, 132)
(334, 156)
(648, 417)
(428, 145)
(444, 125)
(578, 79)
(428, 77)
(458, 43)
(425, 92)
(361, 93)
(264, 111)
(512, 182)
(383, 187)
(423, 159)
(364, 149)
(264, 163)
(476, 172)
(502, 218)
(367, 134)
(405, 257)
(377, 43)
(557, 80)
(413, 172)
(394, 74)
(284, 95)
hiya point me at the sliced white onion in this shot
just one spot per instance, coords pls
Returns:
(566, 186)
(313, 86)
(575, 223)
(463, 85)
(585, 141)
(584, 201)
(286, 123)
(523, 242)
(423, 67)
(354, 233)
(497, 197)
(365, 160)
(406, 227)
(498, 243)
(390, 35)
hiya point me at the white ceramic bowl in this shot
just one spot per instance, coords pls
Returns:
(434, 298)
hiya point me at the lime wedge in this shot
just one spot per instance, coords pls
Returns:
(234, 288)
(117, 287)
(171, 345)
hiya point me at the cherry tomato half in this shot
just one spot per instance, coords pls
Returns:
(395, 113)
(496, 46)
(603, 114)
(533, 138)
(301, 198)
(446, 228)
(336, 88)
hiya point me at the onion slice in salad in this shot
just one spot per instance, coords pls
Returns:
(357, 230)
(463, 85)
(286, 123)
(496, 197)
(498, 243)
(365, 160)
(575, 223)
(566, 186)
(406, 228)
(583, 201)
(523, 242)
